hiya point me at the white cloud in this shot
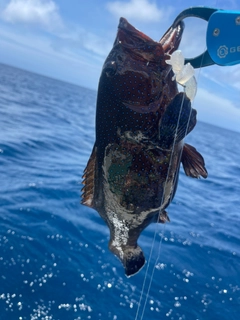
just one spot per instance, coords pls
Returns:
(237, 85)
(38, 55)
(229, 75)
(214, 109)
(193, 41)
(77, 37)
(140, 10)
(43, 13)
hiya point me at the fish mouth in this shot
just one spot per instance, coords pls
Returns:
(131, 257)
(170, 40)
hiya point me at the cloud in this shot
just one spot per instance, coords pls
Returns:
(140, 10)
(38, 55)
(193, 41)
(214, 109)
(229, 75)
(43, 13)
(77, 37)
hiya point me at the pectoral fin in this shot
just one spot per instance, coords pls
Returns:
(178, 120)
(89, 179)
(193, 162)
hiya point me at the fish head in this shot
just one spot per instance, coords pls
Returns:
(124, 230)
(131, 257)
(136, 71)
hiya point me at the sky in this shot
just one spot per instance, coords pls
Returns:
(70, 39)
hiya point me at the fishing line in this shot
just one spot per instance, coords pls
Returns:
(156, 229)
(164, 227)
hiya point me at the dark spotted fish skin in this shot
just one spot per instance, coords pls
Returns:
(141, 121)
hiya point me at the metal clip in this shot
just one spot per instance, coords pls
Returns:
(222, 38)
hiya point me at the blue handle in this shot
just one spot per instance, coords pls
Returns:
(223, 37)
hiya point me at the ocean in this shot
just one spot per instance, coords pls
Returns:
(54, 257)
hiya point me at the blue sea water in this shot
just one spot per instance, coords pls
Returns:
(54, 257)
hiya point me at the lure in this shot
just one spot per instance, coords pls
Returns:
(183, 74)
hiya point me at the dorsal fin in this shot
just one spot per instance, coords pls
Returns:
(89, 179)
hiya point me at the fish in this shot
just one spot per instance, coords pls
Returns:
(141, 121)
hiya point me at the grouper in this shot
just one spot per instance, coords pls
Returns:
(141, 122)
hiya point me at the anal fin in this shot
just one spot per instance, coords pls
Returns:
(162, 217)
(193, 162)
(89, 179)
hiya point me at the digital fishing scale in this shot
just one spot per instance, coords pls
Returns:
(222, 37)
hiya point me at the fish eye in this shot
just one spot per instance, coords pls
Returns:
(110, 69)
(110, 72)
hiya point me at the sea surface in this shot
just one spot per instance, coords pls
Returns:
(54, 257)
